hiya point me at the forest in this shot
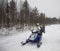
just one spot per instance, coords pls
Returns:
(25, 16)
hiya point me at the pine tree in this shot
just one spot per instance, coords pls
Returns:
(7, 20)
(42, 18)
(26, 11)
(35, 16)
(12, 11)
(2, 13)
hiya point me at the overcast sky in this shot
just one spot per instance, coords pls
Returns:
(50, 7)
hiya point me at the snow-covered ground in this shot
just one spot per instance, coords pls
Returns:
(51, 40)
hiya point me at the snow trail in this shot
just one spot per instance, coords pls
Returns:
(51, 41)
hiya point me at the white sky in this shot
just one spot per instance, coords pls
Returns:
(50, 7)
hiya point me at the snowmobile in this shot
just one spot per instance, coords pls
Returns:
(35, 37)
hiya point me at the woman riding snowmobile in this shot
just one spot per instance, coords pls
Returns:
(36, 35)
